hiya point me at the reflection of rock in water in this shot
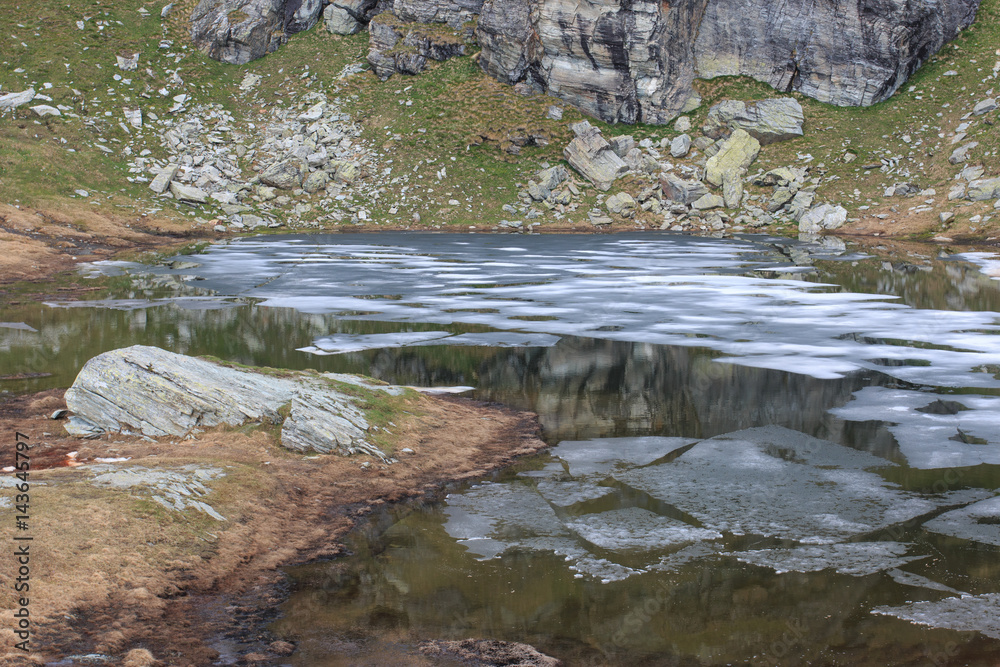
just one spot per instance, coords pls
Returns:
(585, 388)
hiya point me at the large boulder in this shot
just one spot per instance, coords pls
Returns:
(984, 189)
(238, 31)
(285, 175)
(822, 218)
(149, 391)
(681, 190)
(767, 121)
(736, 154)
(593, 157)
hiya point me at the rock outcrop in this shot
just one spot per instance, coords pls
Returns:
(625, 62)
(768, 121)
(238, 31)
(396, 46)
(636, 62)
(147, 390)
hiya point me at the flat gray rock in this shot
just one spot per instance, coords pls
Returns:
(147, 390)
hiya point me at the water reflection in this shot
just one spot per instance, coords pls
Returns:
(759, 456)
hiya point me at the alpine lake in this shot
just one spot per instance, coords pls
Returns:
(762, 451)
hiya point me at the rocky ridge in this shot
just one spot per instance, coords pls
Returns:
(622, 63)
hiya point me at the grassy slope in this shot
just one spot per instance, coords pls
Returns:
(464, 116)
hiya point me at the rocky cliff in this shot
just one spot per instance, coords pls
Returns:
(635, 60)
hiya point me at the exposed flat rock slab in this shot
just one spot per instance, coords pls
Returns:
(147, 390)
(768, 121)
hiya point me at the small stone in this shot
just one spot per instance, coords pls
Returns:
(985, 107)
(681, 145)
(945, 216)
(14, 100)
(43, 110)
(128, 63)
(961, 154)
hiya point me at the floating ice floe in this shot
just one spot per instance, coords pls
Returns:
(856, 558)
(979, 522)
(972, 613)
(933, 431)
(615, 507)
(341, 343)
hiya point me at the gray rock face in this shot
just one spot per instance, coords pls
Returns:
(238, 31)
(636, 62)
(844, 53)
(347, 17)
(395, 46)
(768, 121)
(453, 12)
(593, 157)
(157, 393)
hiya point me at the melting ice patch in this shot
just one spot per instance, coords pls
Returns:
(933, 431)
(668, 290)
(341, 343)
(776, 482)
(973, 613)
(988, 262)
(979, 522)
(856, 559)
(632, 499)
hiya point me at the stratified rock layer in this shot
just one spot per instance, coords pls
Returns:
(636, 61)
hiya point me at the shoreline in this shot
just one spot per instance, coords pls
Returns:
(38, 255)
(117, 573)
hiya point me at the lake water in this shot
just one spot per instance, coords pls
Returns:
(763, 451)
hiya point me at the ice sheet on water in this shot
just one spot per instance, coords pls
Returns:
(910, 579)
(600, 455)
(975, 613)
(633, 528)
(777, 482)
(856, 559)
(657, 289)
(978, 522)
(566, 493)
(933, 431)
